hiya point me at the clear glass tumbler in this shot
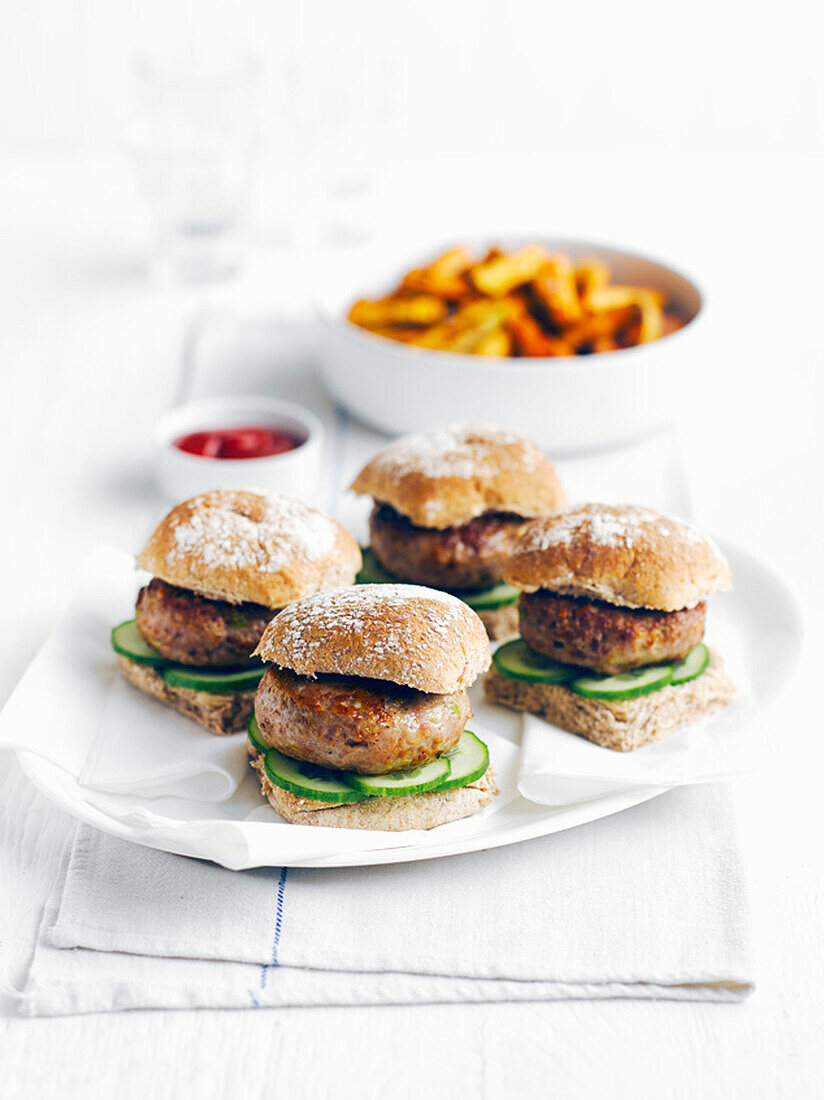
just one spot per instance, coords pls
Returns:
(195, 141)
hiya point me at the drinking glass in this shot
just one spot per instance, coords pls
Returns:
(195, 141)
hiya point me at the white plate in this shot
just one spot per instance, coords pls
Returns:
(760, 612)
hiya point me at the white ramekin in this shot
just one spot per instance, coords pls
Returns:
(295, 473)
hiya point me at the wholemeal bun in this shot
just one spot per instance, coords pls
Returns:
(220, 712)
(625, 555)
(623, 724)
(403, 633)
(398, 813)
(250, 547)
(447, 477)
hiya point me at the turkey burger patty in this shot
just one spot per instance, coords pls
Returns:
(604, 637)
(450, 505)
(195, 630)
(361, 725)
(471, 555)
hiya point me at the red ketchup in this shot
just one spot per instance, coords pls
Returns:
(251, 442)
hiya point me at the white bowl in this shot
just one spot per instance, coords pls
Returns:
(566, 404)
(181, 475)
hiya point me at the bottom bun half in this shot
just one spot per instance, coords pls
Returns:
(396, 814)
(622, 725)
(221, 713)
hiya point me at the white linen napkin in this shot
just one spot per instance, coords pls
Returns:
(649, 903)
(558, 769)
(94, 725)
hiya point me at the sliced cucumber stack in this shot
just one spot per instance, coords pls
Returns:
(413, 781)
(308, 780)
(624, 685)
(517, 661)
(254, 735)
(691, 666)
(479, 599)
(129, 642)
(213, 679)
(463, 764)
(469, 760)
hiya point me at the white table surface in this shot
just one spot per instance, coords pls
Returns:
(91, 355)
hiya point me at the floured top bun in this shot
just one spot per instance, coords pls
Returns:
(404, 633)
(449, 476)
(630, 556)
(250, 547)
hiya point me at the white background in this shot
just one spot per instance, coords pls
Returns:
(693, 132)
(485, 76)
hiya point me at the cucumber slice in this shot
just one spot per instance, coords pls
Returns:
(308, 780)
(487, 599)
(213, 679)
(129, 642)
(691, 666)
(253, 733)
(517, 661)
(479, 599)
(372, 572)
(624, 685)
(469, 760)
(413, 781)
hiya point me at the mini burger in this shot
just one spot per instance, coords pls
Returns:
(360, 718)
(449, 508)
(223, 565)
(612, 621)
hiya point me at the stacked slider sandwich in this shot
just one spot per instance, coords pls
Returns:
(612, 622)
(450, 506)
(360, 717)
(224, 563)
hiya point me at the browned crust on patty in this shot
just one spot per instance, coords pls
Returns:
(397, 814)
(365, 726)
(623, 725)
(606, 638)
(218, 712)
(448, 476)
(195, 630)
(472, 555)
(626, 555)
